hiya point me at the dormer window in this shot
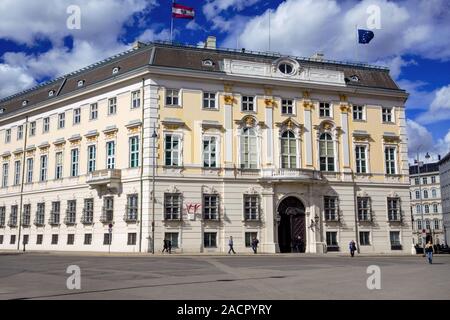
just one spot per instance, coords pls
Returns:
(286, 68)
(115, 70)
(207, 63)
(51, 93)
(80, 83)
(354, 78)
(2, 110)
(24, 103)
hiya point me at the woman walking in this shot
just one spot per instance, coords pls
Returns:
(429, 252)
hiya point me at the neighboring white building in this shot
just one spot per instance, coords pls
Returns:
(247, 145)
(444, 173)
(426, 195)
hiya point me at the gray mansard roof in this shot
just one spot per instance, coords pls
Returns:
(162, 54)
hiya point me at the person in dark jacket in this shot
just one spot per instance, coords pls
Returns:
(352, 248)
(230, 244)
(255, 245)
(165, 246)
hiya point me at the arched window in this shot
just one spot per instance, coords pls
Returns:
(249, 151)
(433, 193)
(419, 224)
(427, 224)
(417, 194)
(427, 208)
(425, 194)
(288, 150)
(326, 150)
(418, 208)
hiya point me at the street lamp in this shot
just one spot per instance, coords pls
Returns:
(154, 136)
(427, 156)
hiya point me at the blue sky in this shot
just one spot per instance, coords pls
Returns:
(412, 38)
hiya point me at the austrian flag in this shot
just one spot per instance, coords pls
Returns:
(183, 12)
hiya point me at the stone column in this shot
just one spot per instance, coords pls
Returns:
(270, 244)
(228, 123)
(308, 134)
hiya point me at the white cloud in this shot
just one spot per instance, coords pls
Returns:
(214, 8)
(439, 109)
(12, 78)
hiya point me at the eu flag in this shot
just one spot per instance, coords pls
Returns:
(365, 35)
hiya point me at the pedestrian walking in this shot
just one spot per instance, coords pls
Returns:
(230, 244)
(169, 245)
(352, 248)
(165, 246)
(255, 245)
(298, 244)
(429, 252)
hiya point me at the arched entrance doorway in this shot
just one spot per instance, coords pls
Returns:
(292, 225)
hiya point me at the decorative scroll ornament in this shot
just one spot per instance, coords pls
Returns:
(229, 99)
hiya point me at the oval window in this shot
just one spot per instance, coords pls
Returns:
(286, 68)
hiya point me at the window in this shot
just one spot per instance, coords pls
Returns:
(363, 209)
(251, 207)
(425, 194)
(71, 213)
(425, 180)
(249, 238)
(249, 154)
(416, 181)
(326, 152)
(358, 112)
(433, 179)
(110, 155)
(287, 106)
(419, 224)
(387, 114)
(332, 239)
(207, 63)
(172, 150)
(115, 70)
(389, 156)
(59, 165)
(2, 216)
(131, 239)
(46, 125)
(54, 239)
(172, 206)
(330, 208)
(93, 111)
(395, 240)
(436, 224)
(427, 208)
(135, 99)
(418, 208)
(92, 154)
(324, 109)
(76, 116)
(108, 210)
(55, 213)
(1, 239)
(40, 215)
(12, 239)
(210, 207)
(427, 224)
(25, 238)
(32, 128)
(88, 211)
(70, 239)
(172, 97)
(17, 166)
(134, 152)
(30, 165)
(51, 93)
(248, 103)
(286, 68)
(26, 215)
(80, 83)
(210, 240)
(74, 158)
(20, 132)
(173, 238)
(88, 238)
(364, 238)
(288, 150)
(61, 120)
(13, 216)
(5, 175)
(435, 208)
(393, 205)
(39, 238)
(209, 100)
(8, 136)
(360, 156)
(210, 152)
(433, 193)
(417, 194)
(107, 238)
(132, 207)
(112, 106)
(43, 171)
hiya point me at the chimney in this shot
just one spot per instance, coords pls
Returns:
(210, 43)
(317, 56)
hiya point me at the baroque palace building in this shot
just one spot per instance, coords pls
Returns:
(240, 143)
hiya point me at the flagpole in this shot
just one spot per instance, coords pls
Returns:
(269, 30)
(171, 22)
(357, 42)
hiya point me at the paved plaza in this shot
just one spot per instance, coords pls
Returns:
(287, 276)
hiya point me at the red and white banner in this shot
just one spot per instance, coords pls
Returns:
(183, 12)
